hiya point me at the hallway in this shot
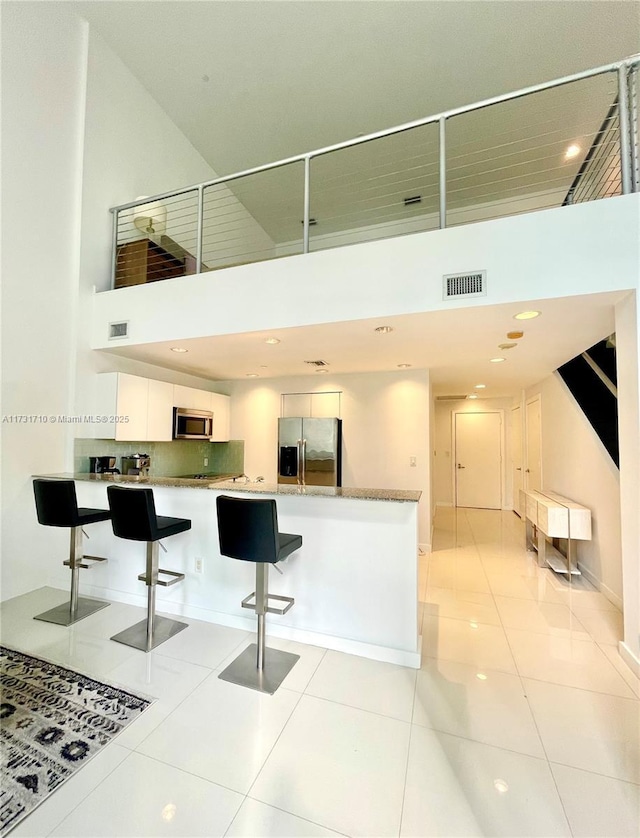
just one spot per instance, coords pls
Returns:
(522, 720)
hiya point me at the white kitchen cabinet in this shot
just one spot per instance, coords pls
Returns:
(220, 406)
(190, 397)
(138, 409)
(311, 405)
(141, 409)
(121, 406)
(160, 412)
(325, 405)
(296, 404)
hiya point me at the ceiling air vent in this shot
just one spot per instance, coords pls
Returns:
(414, 199)
(119, 330)
(450, 398)
(317, 363)
(464, 285)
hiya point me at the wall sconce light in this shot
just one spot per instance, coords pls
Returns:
(151, 219)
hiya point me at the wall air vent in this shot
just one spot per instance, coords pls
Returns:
(451, 398)
(317, 363)
(414, 199)
(464, 285)
(119, 330)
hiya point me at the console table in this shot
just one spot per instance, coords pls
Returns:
(550, 515)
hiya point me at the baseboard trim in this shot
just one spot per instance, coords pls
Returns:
(372, 651)
(632, 660)
(600, 586)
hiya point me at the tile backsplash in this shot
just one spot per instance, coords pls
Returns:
(168, 459)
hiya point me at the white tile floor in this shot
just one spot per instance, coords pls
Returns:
(523, 720)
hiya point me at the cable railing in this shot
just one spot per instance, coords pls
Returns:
(567, 141)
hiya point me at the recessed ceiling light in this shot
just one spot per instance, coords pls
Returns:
(384, 330)
(501, 786)
(572, 151)
(497, 360)
(473, 624)
(272, 341)
(472, 396)
(325, 371)
(403, 366)
(481, 676)
(527, 315)
(506, 345)
(178, 349)
(480, 386)
(515, 335)
(252, 375)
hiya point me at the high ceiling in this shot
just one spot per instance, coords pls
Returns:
(285, 78)
(250, 83)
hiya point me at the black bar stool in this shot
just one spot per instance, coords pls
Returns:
(133, 516)
(57, 506)
(248, 530)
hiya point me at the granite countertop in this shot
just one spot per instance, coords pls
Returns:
(397, 495)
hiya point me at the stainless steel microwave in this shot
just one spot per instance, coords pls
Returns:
(192, 424)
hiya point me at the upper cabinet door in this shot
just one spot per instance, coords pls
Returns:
(220, 405)
(311, 405)
(325, 405)
(160, 412)
(296, 404)
(190, 397)
(132, 403)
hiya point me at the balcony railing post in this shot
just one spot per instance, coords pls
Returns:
(114, 247)
(199, 229)
(307, 204)
(633, 129)
(625, 136)
(443, 174)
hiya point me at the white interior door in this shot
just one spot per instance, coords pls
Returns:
(478, 460)
(516, 457)
(533, 471)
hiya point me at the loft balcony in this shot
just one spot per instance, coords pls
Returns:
(564, 142)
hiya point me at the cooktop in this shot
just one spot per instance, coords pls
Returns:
(203, 475)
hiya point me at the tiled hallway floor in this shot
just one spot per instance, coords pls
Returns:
(522, 720)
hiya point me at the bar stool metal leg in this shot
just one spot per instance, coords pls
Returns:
(262, 578)
(78, 607)
(258, 666)
(151, 581)
(154, 629)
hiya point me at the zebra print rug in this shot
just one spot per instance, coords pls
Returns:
(52, 721)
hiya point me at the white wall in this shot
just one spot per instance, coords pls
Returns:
(131, 147)
(582, 249)
(80, 134)
(385, 422)
(628, 361)
(43, 76)
(444, 446)
(576, 464)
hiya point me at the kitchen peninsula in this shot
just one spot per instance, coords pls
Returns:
(355, 579)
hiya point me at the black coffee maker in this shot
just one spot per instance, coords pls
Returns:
(103, 465)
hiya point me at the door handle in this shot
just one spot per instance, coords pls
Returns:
(459, 466)
(527, 470)
(304, 461)
(518, 468)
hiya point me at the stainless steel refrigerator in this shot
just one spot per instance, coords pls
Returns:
(310, 451)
